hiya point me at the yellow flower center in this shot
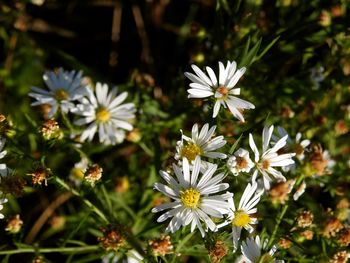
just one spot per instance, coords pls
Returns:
(191, 151)
(78, 173)
(190, 197)
(103, 115)
(61, 94)
(241, 218)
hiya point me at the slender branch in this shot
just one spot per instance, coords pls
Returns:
(50, 250)
(279, 220)
(86, 202)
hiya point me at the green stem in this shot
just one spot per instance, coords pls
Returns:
(279, 220)
(86, 202)
(50, 250)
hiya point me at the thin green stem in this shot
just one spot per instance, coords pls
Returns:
(50, 250)
(279, 220)
(86, 202)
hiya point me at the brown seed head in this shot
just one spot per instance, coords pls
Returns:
(279, 192)
(285, 243)
(305, 219)
(51, 130)
(12, 185)
(112, 239)
(218, 251)
(332, 227)
(161, 246)
(307, 234)
(340, 257)
(343, 237)
(14, 224)
(318, 162)
(93, 174)
(40, 174)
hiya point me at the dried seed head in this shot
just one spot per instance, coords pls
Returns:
(218, 251)
(51, 130)
(93, 174)
(341, 127)
(40, 174)
(112, 239)
(305, 219)
(12, 185)
(14, 224)
(161, 246)
(332, 227)
(307, 234)
(343, 237)
(279, 192)
(134, 136)
(38, 259)
(285, 243)
(318, 162)
(340, 257)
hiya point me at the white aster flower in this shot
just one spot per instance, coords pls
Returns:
(240, 162)
(243, 215)
(297, 146)
(104, 112)
(2, 201)
(252, 251)
(3, 168)
(201, 144)
(193, 200)
(270, 158)
(223, 90)
(64, 88)
(76, 174)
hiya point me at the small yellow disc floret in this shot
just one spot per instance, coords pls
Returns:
(191, 151)
(241, 219)
(190, 197)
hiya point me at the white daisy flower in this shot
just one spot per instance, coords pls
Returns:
(76, 174)
(193, 200)
(223, 90)
(270, 158)
(104, 111)
(2, 201)
(64, 88)
(252, 251)
(240, 162)
(3, 168)
(297, 146)
(201, 144)
(243, 215)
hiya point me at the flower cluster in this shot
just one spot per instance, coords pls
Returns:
(100, 111)
(197, 187)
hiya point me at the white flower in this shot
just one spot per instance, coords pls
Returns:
(105, 113)
(64, 88)
(240, 162)
(297, 146)
(243, 215)
(252, 251)
(202, 144)
(76, 174)
(270, 157)
(3, 168)
(193, 202)
(223, 90)
(2, 201)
